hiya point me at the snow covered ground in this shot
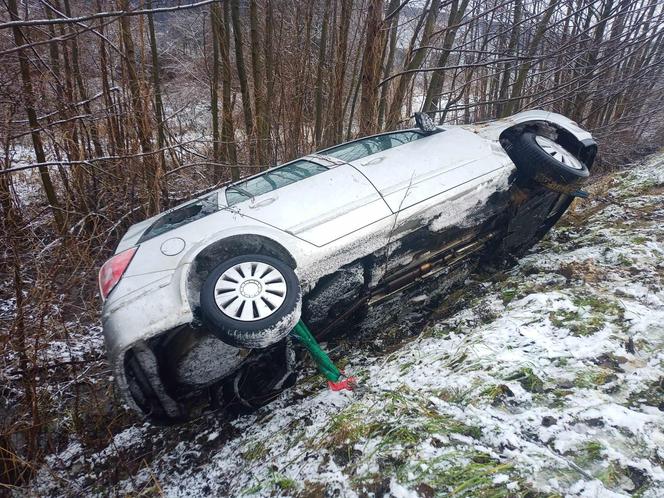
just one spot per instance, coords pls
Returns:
(548, 382)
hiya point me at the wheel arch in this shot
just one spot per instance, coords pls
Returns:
(581, 145)
(226, 248)
(557, 126)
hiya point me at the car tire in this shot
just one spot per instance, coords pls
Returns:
(547, 162)
(251, 301)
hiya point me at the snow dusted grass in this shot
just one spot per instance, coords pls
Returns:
(549, 383)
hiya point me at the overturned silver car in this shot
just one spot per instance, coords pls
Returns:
(199, 300)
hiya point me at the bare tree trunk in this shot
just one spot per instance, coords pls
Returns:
(82, 91)
(371, 68)
(335, 131)
(151, 168)
(242, 74)
(259, 83)
(269, 78)
(637, 61)
(390, 48)
(582, 95)
(227, 125)
(354, 94)
(415, 62)
(520, 80)
(436, 85)
(84, 195)
(318, 126)
(507, 67)
(156, 88)
(29, 103)
(66, 108)
(215, 21)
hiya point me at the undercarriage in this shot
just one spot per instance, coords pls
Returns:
(178, 374)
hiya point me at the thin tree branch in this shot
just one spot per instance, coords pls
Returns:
(99, 15)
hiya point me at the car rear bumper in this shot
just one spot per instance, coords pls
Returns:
(133, 319)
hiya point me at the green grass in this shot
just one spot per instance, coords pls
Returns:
(576, 323)
(421, 422)
(473, 478)
(528, 380)
(405, 418)
(275, 482)
(652, 395)
(556, 398)
(591, 315)
(455, 395)
(282, 482)
(598, 304)
(593, 450)
(347, 427)
(508, 295)
(592, 379)
(252, 490)
(255, 452)
(624, 260)
(497, 393)
(610, 476)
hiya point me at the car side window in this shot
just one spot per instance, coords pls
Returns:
(371, 145)
(272, 180)
(180, 216)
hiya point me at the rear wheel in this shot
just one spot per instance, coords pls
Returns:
(251, 301)
(547, 162)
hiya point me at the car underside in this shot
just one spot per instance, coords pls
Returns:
(174, 375)
(186, 365)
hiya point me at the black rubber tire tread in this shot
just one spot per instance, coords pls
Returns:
(258, 333)
(151, 405)
(534, 162)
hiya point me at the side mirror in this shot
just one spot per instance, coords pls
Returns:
(424, 122)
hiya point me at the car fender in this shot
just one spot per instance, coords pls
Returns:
(494, 129)
(151, 269)
(303, 253)
(297, 248)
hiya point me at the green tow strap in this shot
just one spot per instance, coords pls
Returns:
(323, 361)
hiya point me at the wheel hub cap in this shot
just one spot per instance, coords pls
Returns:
(250, 288)
(558, 152)
(250, 291)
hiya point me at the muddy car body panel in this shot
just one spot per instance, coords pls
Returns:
(353, 229)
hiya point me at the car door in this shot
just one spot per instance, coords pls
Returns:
(314, 199)
(408, 172)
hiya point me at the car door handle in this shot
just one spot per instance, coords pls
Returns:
(263, 203)
(373, 161)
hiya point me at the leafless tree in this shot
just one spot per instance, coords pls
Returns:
(113, 110)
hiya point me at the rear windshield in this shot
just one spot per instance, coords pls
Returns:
(181, 216)
(363, 147)
(272, 180)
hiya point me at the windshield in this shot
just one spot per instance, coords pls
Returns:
(363, 147)
(272, 180)
(182, 215)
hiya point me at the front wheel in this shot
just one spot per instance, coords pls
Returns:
(547, 162)
(251, 301)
